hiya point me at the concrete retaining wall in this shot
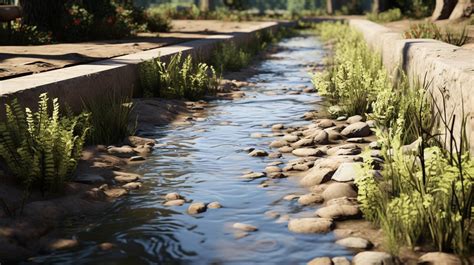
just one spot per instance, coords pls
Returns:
(448, 69)
(86, 82)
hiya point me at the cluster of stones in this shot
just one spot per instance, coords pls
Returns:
(327, 157)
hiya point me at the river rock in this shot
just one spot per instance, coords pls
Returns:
(291, 197)
(60, 244)
(340, 261)
(258, 153)
(274, 155)
(275, 163)
(371, 123)
(346, 172)
(310, 198)
(132, 186)
(278, 143)
(316, 176)
(214, 205)
(177, 202)
(373, 258)
(302, 142)
(290, 138)
(321, 138)
(106, 246)
(256, 135)
(285, 149)
(244, 227)
(197, 207)
(254, 175)
(307, 152)
(325, 123)
(272, 214)
(277, 175)
(342, 201)
(283, 219)
(136, 158)
(358, 140)
(277, 127)
(123, 151)
(300, 167)
(341, 118)
(137, 141)
(310, 225)
(439, 258)
(337, 190)
(334, 135)
(115, 192)
(272, 169)
(308, 116)
(375, 145)
(354, 119)
(358, 129)
(320, 261)
(355, 242)
(173, 196)
(339, 212)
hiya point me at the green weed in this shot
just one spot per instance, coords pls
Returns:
(386, 16)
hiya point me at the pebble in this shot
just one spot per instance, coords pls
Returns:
(338, 190)
(283, 219)
(291, 197)
(278, 143)
(439, 258)
(197, 207)
(290, 138)
(359, 140)
(115, 192)
(316, 176)
(136, 158)
(177, 202)
(214, 205)
(355, 242)
(132, 186)
(126, 179)
(321, 138)
(240, 234)
(340, 261)
(256, 135)
(275, 155)
(373, 258)
(358, 129)
(375, 145)
(272, 169)
(310, 198)
(285, 149)
(277, 127)
(302, 142)
(123, 152)
(346, 172)
(325, 123)
(320, 261)
(106, 246)
(307, 152)
(339, 212)
(354, 119)
(310, 225)
(254, 175)
(244, 227)
(276, 163)
(173, 196)
(272, 214)
(341, 118)
(60, 244)
(258, 153)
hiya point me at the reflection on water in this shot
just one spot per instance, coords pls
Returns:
(203, 162)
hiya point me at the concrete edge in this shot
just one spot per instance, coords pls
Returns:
(84, 82)
(447, 70)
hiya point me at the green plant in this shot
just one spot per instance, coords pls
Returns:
(427, 30)
(156, 21)
(386, 16)
(77, 23)
(178, 78)
(228, 57)
(20, 34)
(109, 119)
(42, 148)
(458, 38)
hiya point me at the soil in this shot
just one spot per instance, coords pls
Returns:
(23, 60)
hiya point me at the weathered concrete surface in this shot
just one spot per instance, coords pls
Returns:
(442, 66)
(85, 82)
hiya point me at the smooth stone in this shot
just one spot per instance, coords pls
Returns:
(275, 155)
(285, 149)
(325, 123)
(107, 246)
(371, 123)
(277, 175)
(376, 154)
(240, 234)
(136, 158)
(358, 129)
(375, 145)
(334, 135)
(358, 140)
(177, 202)
(310, 225)
(256, 135)
(244, 227)
(354, 119)
(303, 142)
(291, 197)
(254, 175)
(346, 172)
(309, 90)
(115, 192)
(340, 261)
(342, 201)
(321, 138)
(439, 258)
(290, 138)
(60, 244)
(355, 242)
(258, 153)
(308, 115)
(126, 178)
(278, 143)
(276, 163)
(173, 196)
(124, 151)
(341, 118)
(316, 176)
(214, 205)
(320, 261)
(338, 190)
(300, 167)
(283, 219)
(137, 141)
(272, 169)
(310, 198)
(197, 207)
(339, 212)
(132, 186)
(272, 214)
(277, 127)
(307, 152)
(373, 258)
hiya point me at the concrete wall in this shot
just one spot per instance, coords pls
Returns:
(445, 68)
(86, 82)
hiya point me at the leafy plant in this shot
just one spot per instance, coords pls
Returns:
(386, 16)
(156, 21)
(20, 34)
(429, 30)
(110, 118)
(228, 57)
(178, 78)
(42, 148)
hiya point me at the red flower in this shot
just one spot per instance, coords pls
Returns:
(76, 21)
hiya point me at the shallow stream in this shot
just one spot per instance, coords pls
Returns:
(203, 161)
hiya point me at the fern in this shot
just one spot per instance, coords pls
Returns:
(42, 148)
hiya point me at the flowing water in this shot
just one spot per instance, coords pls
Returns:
(203, 162)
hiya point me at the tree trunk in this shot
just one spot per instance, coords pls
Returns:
(329, 7)
(376, 6)
(45, 14)
(443, 9)
(206, 5)
(462, 9)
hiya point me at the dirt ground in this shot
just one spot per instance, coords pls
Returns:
(23, 60)
(456, 26)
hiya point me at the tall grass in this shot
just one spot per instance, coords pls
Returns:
(229, 57)
(429, 30)
(386, 16)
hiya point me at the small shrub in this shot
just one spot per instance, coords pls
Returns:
(386, 16)
(178, 79)
(21, 34)
(228, 57)
(110, 118)
(42, 148)
(156, 21)
(77, 23)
